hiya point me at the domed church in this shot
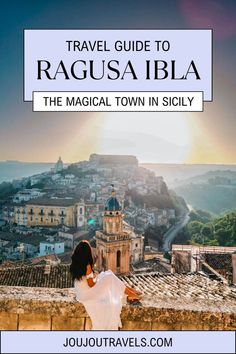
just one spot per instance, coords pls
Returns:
(59, 165)
(117, 245)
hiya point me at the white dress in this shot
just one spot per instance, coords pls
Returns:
(103, 301)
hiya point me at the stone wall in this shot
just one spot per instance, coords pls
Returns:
(24, 308)
(234, 267)
(181, 261)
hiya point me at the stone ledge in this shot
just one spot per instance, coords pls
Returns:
(57, 309)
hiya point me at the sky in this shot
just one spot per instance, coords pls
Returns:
(204, 137)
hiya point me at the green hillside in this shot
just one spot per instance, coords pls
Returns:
(205, 229)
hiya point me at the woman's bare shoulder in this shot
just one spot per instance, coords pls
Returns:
(88, 269)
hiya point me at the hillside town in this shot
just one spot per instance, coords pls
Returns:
(52, 211)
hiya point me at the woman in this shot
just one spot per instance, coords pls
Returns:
(100, 294)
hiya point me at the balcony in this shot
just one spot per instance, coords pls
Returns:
(51, 214)
(27, 308)
(31, 212)
(62, 215)
(41, 213)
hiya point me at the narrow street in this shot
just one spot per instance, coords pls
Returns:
(172, 233)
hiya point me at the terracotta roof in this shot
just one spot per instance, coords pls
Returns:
(152, 265)
(43, 259)
(34, 239)
(182, 287)
(33, 276)
(65, 257)
(52, 202)
(13, 264)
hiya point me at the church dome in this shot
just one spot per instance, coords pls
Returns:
(112, 204)
(59, 165)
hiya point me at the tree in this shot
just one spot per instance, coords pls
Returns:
(200, 215)
(213, 243)
(28, 184)
(233, 235)
(182, 237)
(204, 216)
(220, 231)
(7, 189)
(206, 232)
(221, 237)
(167, 256)
(195, 227)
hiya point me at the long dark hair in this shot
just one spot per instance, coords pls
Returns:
(81, 257)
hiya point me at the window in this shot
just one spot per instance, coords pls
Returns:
(81, 211)
(41, 219)
(118, 259)
(51, 219)
(103, 259)
(31, 218)
(136, 245)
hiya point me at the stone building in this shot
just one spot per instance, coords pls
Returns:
(108, 160)
(117, 244)
(54, 246)
(216, 261)
(50, 212)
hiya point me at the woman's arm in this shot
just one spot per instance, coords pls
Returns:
(91, 277)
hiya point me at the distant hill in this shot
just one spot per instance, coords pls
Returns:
(203, 186)
(175, 174)
(214, 191)
(10, 170)
(218, 177)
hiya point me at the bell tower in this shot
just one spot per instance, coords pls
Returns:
(113, 242)
(113, 218)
